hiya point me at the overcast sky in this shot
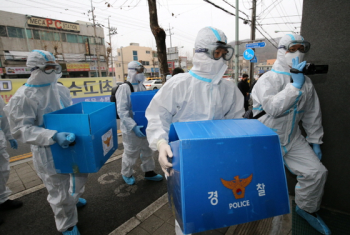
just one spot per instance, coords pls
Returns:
(184, 17)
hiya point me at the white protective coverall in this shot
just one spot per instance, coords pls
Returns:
(25, 111)
(285, 106)
(5, 134)
(134, 146)
(199, 95)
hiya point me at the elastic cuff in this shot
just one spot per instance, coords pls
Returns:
(160, 142)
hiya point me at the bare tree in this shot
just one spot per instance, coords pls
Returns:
(159, 35)
(107, 56)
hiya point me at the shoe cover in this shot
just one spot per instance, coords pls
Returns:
(75, 231)
(129, 180)
(316, 223)
(155, 178)
(81, 202)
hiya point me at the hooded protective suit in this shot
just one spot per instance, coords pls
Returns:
(199, 95)
(5, 134)
(25, 111)
(134, 146)
(285, 106)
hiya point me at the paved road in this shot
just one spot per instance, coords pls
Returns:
(110, 203)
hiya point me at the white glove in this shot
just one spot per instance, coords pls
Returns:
(164, 152)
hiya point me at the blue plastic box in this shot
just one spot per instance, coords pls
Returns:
(139, 102)
(225, 172)
(95, 127)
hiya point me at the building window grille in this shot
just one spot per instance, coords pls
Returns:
(63, 37)
(56, 37)
(15, 32)
(80, 39)
(3, 32)
(148, 52)
(135, 57)
(36, 34)
(72, 38)
(29, 34)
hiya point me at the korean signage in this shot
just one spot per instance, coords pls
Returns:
(54, 24)
(17, 70)
(78, 67)
(81, 89)
(95, 67)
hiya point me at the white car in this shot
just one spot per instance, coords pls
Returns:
(153, 84)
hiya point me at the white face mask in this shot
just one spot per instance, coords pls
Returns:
(140, 77)
(290, 56)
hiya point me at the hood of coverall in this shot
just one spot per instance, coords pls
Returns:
(40, 82)
(203, 65)
(281, 62)
(133, 76)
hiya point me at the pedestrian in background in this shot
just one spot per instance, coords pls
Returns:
(243, 86)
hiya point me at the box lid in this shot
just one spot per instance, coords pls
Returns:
(213, 129)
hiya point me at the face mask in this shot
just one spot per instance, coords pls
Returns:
(290, 56)
(140, 77)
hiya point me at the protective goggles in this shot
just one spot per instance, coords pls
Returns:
(49, 68)
(217, 50)
(139, 69)
(297, 45)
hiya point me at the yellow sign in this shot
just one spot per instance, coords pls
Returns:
(56, 24)
(81, 89)
(78, 67)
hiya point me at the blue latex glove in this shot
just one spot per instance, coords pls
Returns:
(317, 150)
(137, 131)
(64, 138)
(13, 143)
(298, 78)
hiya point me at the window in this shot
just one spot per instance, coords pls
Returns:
(85, 39)
(118, 53)
(72, 38)
(145, 62)
(3, 32)
(91, 40)
(48, 36)
(63, 36)
(158, 82)
(155, 54)
(98, 40)
(135, 57)
(80, 39)
(29, 34)
(15, 32)
(103, 41)
(148, 52)
(36, 34)
(155, 62)
(56, 37)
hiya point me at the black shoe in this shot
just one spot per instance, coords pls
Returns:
(1, 221)
(10, 205)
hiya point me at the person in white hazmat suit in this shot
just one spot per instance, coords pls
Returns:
(25, 111)
(200, 94)
(134, 141)
(5, 134)
(288, 98)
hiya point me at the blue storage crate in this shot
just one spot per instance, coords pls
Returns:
(225, 172)
(95, 128)
(139, 102)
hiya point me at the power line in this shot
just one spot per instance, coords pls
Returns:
(224, 9)
(235, 8)
(266, 38)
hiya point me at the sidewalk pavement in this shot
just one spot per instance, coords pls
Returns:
(157, 218)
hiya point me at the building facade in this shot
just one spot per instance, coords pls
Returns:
(73, 43)
(135, 52)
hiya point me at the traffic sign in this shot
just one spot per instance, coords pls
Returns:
(255, 45)
(248, 54)
(254, 60)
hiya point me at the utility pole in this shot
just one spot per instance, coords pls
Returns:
(110, 42)
(121, 53)
(236, 44)
(170, 34)
(97, 51)
(252, 38)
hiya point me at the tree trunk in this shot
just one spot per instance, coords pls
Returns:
(160, 35)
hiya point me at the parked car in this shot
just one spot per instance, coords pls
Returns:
(153, 84)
